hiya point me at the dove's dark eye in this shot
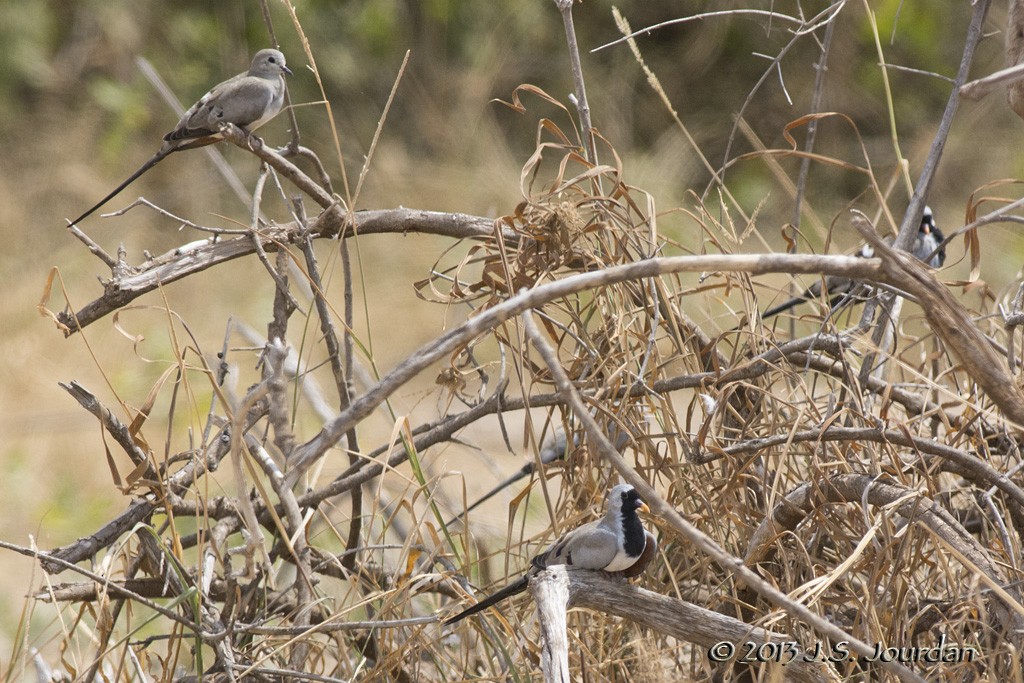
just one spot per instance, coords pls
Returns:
(272, 60)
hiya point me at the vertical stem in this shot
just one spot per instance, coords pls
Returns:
(1015, 54)
(812, 132)
(356, 523)
(812, 127)
(912, 218)
(340, 357)
(890, 106)
(582, 105)
(293, 143)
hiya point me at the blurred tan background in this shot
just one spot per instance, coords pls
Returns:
(76, 117)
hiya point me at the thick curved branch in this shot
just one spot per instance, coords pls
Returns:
(182, 262)
(681, 620)
(848, 266)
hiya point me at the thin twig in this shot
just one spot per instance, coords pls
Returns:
(580, 99)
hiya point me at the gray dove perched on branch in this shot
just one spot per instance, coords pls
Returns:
(247, 100)
(617, 542)
(927, 247)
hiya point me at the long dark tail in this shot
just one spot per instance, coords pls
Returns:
(526, 470)
(784, 306)
(508, 591)
(837, 288)
(548, 454)
(812, 292)
(849, 293)
(134, 176)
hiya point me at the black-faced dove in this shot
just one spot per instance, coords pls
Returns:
(248, 100)
(929, 237)
(614, 543)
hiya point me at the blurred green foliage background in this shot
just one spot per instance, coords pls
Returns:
(69, 70)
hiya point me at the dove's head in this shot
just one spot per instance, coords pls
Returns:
(269, 64)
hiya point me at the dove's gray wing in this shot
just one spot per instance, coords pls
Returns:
(246, 101)
(591, 546)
